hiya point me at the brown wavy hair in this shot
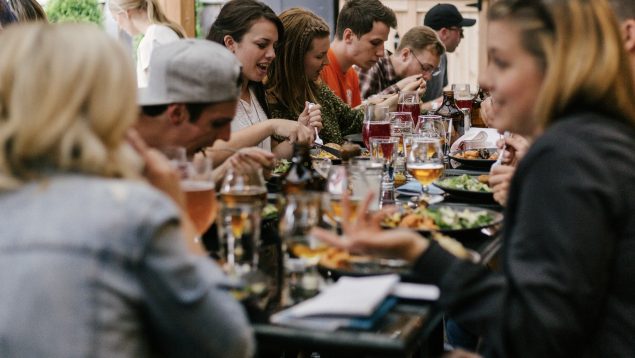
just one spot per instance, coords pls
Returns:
(287, 81)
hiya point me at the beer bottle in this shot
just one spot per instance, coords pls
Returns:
(449, 110)
(477, 120)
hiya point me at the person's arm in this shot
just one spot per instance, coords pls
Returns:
(252, 135)
(187, 303)
(557, 262)
(349, 120)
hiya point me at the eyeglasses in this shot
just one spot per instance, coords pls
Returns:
(459, 29)
(427, 68)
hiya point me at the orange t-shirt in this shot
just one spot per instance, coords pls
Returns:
(344, 85)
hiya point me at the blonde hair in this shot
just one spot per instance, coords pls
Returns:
(287, 81)
(152, 8)
(578, 45)
(67, 98)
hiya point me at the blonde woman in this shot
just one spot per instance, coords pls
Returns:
(147, 18)
(567, 281)
(92, 258)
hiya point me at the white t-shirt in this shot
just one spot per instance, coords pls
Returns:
(249, 113)
(156, 35)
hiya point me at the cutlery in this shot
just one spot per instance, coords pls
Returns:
(317, 140)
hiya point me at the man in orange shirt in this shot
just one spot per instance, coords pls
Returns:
(362, 27)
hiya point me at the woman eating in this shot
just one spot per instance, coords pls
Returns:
(567, 286)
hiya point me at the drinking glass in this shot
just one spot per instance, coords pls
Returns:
(339, 181)
(242, 197)
(384, 147)
(462, 95)
(322, 166)
(376, 122)
(425, 161)
(401, 124)
(300, 215)
(436, 126)
(409, 101)
(197, 183)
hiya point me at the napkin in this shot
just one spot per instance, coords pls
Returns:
(486, 136)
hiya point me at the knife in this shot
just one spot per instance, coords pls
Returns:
(330, 150)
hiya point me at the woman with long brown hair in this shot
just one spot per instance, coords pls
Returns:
(567, 284)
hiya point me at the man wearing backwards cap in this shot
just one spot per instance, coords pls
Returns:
(191, 99)
(447, 21)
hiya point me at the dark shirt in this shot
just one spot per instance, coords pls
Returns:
(434, 87)
(567, 286)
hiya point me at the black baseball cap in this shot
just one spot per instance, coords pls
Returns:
(446, 15)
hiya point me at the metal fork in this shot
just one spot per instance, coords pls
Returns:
(317, 140)
(499, 160)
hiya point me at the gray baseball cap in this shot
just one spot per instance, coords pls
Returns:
(191, 71)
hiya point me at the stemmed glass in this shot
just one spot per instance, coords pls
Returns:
(435, 126)
(425, 162)
(242, 197)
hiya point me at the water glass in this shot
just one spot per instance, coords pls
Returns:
(242, 197)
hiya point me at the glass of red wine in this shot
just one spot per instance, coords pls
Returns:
(409, 101)
(376, 123)
(462, 95)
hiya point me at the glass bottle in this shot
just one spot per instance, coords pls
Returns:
(449, 110)
(299, 178)
(476, 119)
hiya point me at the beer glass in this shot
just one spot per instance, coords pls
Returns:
(425, 161)
(197, 183)
(462, 95)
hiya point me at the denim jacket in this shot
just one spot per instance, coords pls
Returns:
(94, 267)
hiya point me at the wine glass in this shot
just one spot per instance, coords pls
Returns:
(425, 162)
(435, 126)
(409, 101)
(462, 95)
(242, 197)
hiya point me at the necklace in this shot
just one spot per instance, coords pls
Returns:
(252, 108)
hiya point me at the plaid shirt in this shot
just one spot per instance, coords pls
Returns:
(379, 79)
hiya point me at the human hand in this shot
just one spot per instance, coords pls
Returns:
(500, 178)
(412, 83)
(245, 160)
(516, 146)
(364, 235)
(158, 170)
(311, 116)
(293, 131)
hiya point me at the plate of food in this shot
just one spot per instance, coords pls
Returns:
(454, 220)
(467, 186)
(476, 158)
(321, 153)
(336, 262)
